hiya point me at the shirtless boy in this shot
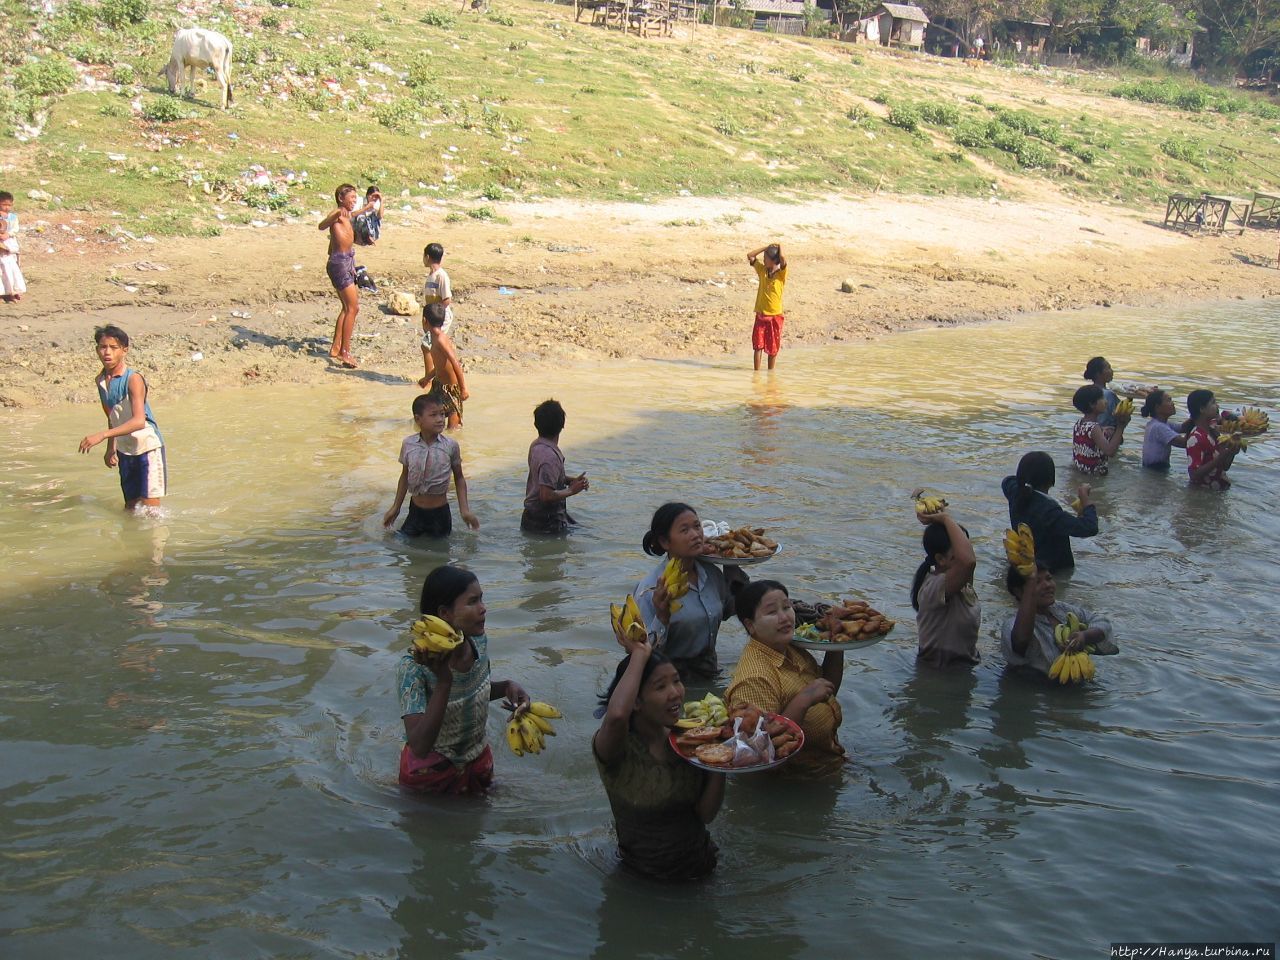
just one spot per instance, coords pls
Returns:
(445, 363)
(342, 268)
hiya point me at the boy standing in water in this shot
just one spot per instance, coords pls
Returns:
(766, 335)
(133, 440)
(445, 365)
(342, 269)
(548, 487)
(428, 459)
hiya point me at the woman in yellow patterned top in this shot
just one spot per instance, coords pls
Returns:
(781, 678)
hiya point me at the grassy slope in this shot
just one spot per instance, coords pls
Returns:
(525, 103)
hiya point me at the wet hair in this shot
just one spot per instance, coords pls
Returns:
(1093, 369)
(1035, 472)
(1153, 401)
(111, 330)
(1015, 581)
(433, 252)
(1087, 397)
(548, 417)
(1197, 400)
(660, 526)
(443, 586)
(749, 598)
(936, 540)
(424, 400)
(434, 314)
(656, 659)
(773, 252)
(373, 188)
(342, 191)
(6, 195)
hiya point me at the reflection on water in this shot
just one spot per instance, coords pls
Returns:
(200, 727)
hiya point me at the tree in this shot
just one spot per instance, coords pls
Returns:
(1237, 30)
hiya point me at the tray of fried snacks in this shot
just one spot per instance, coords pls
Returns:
(749, 741)
(1134, 391)
(849, 625)
(740, 547)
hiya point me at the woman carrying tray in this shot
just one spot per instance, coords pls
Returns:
(661, 804)
(687, 637)
(779, 677)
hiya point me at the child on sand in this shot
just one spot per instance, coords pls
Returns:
(948, 615)
(6, 212)
(1159, 438)
(12, 283)
(133, 440)
(341, 269)
(367, 226)
(435, 289)
(1208, 460)
(444, 697)
(445, 367)
(661, 805)
(1098, 372)
(428, 459)
(1052, 527)
(766, 335)
(1027, 640)
(1092, 443)
(779, 677)
(548, 487)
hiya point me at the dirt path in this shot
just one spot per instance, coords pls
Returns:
(577, 281)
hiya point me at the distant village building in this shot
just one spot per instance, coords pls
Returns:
(777, 16)
(899, 25)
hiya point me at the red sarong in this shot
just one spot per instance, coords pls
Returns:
(438, 774)
(766, 335)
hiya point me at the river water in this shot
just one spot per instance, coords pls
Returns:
(199, 728)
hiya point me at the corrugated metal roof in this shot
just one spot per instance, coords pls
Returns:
(793, 7)
(905, 11)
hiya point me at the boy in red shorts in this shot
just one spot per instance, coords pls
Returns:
(766, 335)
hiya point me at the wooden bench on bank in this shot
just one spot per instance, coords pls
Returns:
(1266, 208)
(1214, 212)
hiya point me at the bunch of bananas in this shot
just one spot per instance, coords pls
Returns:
(1077, 505)
(1020, 548)
(1252, 420)
(1124, 408)
(677, 580)
(527, 732)
(926, 505)
(433, 635)
(1071, 667)
(627, 622)
(710, 711)
(1230, 437)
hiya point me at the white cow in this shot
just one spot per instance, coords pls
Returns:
(195, 48)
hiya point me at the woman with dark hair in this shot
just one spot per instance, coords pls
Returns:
(444, 697)
(1207, 460)
(947, 612)
(1053, 527)
(779, 677)
(661, 804)
(1098, 372)
(1092, 444)
(687, 637)
(1026, 638)
(1159, 438)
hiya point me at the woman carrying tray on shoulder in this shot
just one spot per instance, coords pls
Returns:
(687, 637)
(779, 677)
(661, 804)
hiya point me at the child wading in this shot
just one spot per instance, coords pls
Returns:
(429, 459)
(766, 335)
(1159, 438)
(133, 440)
(1053, 527)
(548, 487)
(1092, 444)
(1208, 460)
(444, 697)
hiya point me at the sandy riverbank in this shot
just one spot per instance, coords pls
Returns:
(570, 282)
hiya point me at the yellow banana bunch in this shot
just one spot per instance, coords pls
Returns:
(677, 580)
(1072, 668)
(926, 505)
(1252, 420)
(1124, 407)
(433, 635)
(627, 621)
(528, 732)
(1077, 505)
(1230, 437)
(710, 711)
(1020, 548)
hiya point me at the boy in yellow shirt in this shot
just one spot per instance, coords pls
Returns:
(766, 335)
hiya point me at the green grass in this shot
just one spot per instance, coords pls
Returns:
(527, 104)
